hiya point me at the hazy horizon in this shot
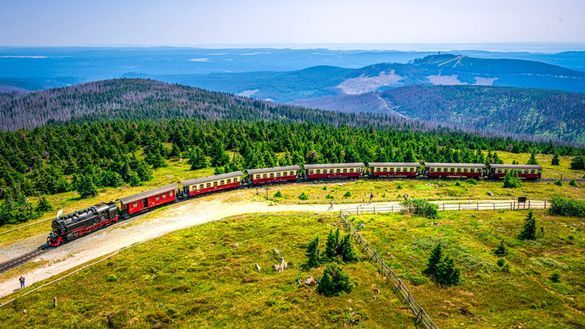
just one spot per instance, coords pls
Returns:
(251, 23)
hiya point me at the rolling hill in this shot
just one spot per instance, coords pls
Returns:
(445, 69)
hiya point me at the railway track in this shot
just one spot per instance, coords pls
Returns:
(22, 259)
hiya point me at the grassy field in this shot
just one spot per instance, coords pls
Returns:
(489, 297)
(206, 277)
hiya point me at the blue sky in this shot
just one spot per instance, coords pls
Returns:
(284, 22)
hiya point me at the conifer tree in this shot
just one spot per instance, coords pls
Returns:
(44, 205)
(347, 252)
(313, 253)
(532, 160)
(529, 229)
(555, 160)
(197, 158)
(446, 272)
(331, 245)
(501, 250)
(434, 259)
(334, 281)
(86, 187)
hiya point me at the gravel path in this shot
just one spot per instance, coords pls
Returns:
(133, 231)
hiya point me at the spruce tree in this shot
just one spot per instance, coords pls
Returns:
(44, 205)
(532, 160)
(334, 281)
(197, 158)
(501, 250)
(331, 246)
(86, 187)
(347, 252)
(511, 179)
(446, 272)
(529, 229)
(313, 253)
(555, 160)
(433, 261)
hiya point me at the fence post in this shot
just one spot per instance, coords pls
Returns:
(375, 210)
(477, 205)
(459, 206)
(443, 207)
(392, 208)
(544, 204)
(528, 204)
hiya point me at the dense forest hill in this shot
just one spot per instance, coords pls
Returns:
(82, 155)
(545, 113)
(519, 111)
(442, 69)
(140, 99)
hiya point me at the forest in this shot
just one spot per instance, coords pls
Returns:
(85, 155)
(524, 112)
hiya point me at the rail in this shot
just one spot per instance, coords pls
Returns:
(422, 317)
(372, 209)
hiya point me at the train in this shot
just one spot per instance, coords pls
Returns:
(77, 224)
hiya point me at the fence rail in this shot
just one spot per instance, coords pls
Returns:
(371, 209)
(422, 318)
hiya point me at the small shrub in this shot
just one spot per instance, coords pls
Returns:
(44, 205)
(511, 179)
(578, 163)
(329, 197)
(278, 194)
(503, 265)
(441, 269)
(472, 181)
(555, 160)
(418, 280)
(334, 281)
(399, 186)
(347, 194)
(529, 230)
(112, 278)
(457, 183)
(501, 250)
(573, 183)
(421, 208)
(555, 277)
(558, 182)
(303, 196)
(567, 207)
(324, 188)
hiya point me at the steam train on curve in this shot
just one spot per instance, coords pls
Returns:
(82, 222)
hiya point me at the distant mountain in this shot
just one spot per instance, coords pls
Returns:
(148, 99)
(445, 69)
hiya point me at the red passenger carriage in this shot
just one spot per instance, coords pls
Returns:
(144, 201)
(394, 169)
(205, 185)
(451, 170)
(524, 171)
(334, 170)
(273, 175)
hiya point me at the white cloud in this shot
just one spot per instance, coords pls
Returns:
(199, 60)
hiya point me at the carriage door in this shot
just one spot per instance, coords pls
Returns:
(144, 203)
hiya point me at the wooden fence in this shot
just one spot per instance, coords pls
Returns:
(372, 209)
(422, 318)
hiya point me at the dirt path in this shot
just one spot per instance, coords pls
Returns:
(134, 231)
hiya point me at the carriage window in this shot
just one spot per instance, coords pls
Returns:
(533, 171)
(208, 184)
(411, 169)
(135, 205)
(378, 169)
(271, 175)
(229, 181)
(201, 186)
(157, 197)
(464, 170)
(277, 174)
(164, 196)
(350, 169)
(398, 169)
(171, 193)
(452, 169)
(221, 182)
(318, 171)
(215, 183)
